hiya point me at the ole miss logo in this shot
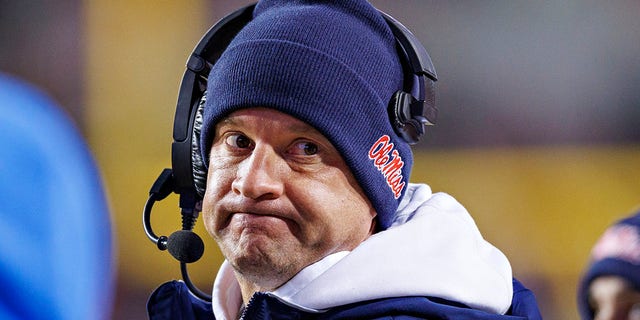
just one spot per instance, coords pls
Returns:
(388, 161)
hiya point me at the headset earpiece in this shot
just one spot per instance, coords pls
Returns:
(197, 162)
(413, 108)
(187, 164)
(408, 126)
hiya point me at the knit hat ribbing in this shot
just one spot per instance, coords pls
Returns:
(617, 253)
(332, 64)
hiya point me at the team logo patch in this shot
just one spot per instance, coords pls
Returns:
(388, 161)
(621, 242)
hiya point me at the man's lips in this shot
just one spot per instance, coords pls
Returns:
(258, 215)
(257, 223)
(255, 210)
(250, 216)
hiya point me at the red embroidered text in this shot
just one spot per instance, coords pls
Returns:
(388, 161)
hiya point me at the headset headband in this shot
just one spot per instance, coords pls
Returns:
(418, 102)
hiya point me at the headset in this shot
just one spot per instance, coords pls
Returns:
(410, 110)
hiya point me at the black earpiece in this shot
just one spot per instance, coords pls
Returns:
(413, 108)
(410, 111)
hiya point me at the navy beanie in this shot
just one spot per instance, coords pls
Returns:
(616, 253)
(331, 64)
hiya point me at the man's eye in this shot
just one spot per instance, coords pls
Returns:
(238, 141)
(306, 148)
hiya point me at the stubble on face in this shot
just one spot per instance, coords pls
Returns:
(274, 208)
(257, 251)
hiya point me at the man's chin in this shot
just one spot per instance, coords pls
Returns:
(265, 269)
(252, 249)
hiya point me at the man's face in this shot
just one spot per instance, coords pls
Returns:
(279, 196)
(613, 298)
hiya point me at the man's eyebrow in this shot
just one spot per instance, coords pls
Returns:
(302, 128)
(228, 121)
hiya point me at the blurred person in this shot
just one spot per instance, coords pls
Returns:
(610, 287)
(55, 230)
(308, 193)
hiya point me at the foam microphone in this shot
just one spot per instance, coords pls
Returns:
(185, 245)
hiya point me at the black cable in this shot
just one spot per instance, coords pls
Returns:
(196, 292)
(160, 189)
(161, 241)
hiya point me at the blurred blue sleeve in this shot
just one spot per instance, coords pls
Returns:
(55, 229)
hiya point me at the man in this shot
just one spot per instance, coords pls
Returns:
(307, 191)
(610, 287)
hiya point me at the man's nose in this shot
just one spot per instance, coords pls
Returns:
(261, 175)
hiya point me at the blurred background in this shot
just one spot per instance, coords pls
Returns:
(538, 135)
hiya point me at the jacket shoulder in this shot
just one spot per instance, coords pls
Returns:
(524, 302)
(172, 300)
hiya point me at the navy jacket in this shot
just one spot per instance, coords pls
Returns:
(433, 250)
(172, 300)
